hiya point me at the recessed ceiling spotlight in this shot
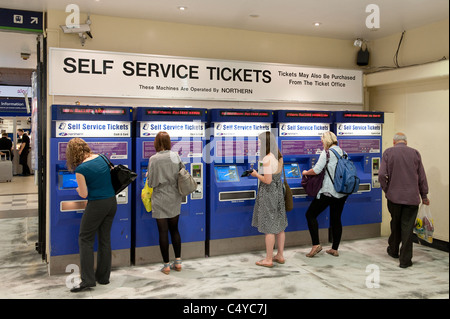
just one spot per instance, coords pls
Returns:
(182, 8)
(316, 24)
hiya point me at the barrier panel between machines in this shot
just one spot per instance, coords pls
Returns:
(359, 135)
(299, 141)
(232, 150)
(186, 128)
(107, 130)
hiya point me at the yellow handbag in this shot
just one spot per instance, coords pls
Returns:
(146, 196)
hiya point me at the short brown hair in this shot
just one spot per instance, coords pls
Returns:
(162, 142)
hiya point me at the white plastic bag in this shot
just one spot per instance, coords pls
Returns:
(424, 227)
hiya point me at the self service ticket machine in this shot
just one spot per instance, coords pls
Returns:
(186, 128)
(107, 130)
(359, 134)
(233, 149)
(299, 141)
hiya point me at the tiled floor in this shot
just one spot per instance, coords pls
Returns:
(19, 197)
(363, 270)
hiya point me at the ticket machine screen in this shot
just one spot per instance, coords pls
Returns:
(227, 173)
(144, 175)
(67, 180)
(292, 170)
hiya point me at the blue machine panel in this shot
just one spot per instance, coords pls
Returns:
(299, 135)
(359, 134)
(107, 130)
(233, 149)
(186, 128)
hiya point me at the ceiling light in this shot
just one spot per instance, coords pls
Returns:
(182, 8)
(316, 24)
(254, 16)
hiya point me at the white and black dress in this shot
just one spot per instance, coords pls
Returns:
(269, 213)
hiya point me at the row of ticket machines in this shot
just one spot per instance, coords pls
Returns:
(217, 146)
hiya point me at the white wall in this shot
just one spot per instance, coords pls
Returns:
(421, 111)
(12, 44)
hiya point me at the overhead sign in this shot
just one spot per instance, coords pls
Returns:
(303, 129)
(358, 129)
(21, 20)
(112, 74)
(240, 128)
(71, 128)
(13, 107)
(175, 129)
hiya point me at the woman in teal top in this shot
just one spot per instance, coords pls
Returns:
(94, 183)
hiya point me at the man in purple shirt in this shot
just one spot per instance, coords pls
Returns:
(402, 178)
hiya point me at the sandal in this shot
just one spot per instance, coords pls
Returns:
(259, 263)
(332, 252)
(164, 269)
(176, 265)
(314, 251)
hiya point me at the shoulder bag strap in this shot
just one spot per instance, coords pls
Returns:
(326, 165)
(107, 161)
(336, 153)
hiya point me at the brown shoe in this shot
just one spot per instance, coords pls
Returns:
(332, 252)
(314, 251)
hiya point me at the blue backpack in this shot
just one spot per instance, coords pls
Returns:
(346, 180)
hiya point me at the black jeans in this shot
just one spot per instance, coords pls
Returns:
(316, 207)
(402, 225)
(97, 218)
(23, 160)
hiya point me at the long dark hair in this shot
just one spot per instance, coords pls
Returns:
(269, 145)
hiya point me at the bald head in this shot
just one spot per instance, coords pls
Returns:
(400, 138)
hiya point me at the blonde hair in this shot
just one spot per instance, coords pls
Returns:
(76, 152)
(329, 139)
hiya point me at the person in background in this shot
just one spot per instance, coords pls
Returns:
(162, 176)
(269, 213)
(94, 183)
(327, 196)
(23, 152)
(404, 182)
(6, 145)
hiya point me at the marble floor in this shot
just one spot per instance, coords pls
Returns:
(362, 271)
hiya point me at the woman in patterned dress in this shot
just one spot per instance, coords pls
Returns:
(269, 214)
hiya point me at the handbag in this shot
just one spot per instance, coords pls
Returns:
(186, 183)
(121, 176)
(313, 183)
(288, 199)
(146, 197)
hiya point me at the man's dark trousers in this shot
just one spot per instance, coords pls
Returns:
(402, 225)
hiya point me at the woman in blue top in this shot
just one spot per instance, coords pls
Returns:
(327, 196)
(94, 183)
